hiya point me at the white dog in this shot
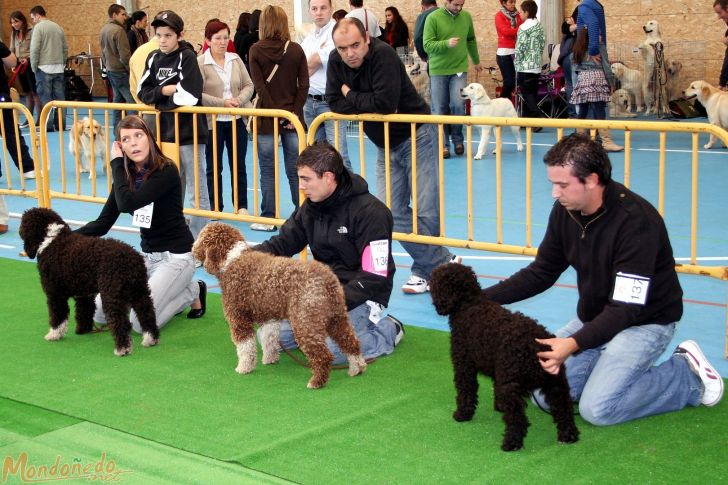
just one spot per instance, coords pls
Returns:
(80, 138)
(715, 102)
(620, 106)
(647, 50)
(482, 105)
(631, 81)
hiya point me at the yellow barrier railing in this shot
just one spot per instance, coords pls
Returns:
(25, 188)
(661, 127)
(87, 110)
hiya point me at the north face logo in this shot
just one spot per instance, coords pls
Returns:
(342, 230)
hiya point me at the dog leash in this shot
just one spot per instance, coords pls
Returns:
(19, 69)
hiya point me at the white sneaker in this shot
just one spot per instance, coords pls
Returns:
(243, 212)
(30, 174)
(712, 382)
(456, 259)
(257, 226)
(415, 285)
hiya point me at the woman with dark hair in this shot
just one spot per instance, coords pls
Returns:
(147, 185)
(395, 32)
(225, 83)
(339, 14)
(568, 30)
(241, 31)
(530, 43)
(137, 31)
(591, 90)
(287, 89)
(507, 22)
(20, 46)
(248, 40)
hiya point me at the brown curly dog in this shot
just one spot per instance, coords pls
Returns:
(77, 266)
(264, 289)
(488, 339)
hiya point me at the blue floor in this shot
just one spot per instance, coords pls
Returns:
(704, 319)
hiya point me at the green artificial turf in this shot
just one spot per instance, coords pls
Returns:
(391, 425)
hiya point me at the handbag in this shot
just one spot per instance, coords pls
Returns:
(256, 99)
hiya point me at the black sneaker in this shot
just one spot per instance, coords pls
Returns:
(400, 330)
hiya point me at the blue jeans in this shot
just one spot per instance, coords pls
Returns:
(375, 340)
(569, 80)
(617, 381)
(120, 84)
(225, 141)
(171, 284)
(445, 93)
(188, 175)
(289, 140)
(311, 110)
(51, 87)
(425, 257)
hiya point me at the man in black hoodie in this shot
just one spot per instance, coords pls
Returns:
(630, 298)
(350, 230)
(172, 79)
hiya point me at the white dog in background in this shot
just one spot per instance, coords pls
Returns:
(631, 81)
(647, 50)
(620, 106)
(482, 105)
(715, 102)
(79, 144)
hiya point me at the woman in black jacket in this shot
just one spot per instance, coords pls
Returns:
(395, 32)
(146, 185)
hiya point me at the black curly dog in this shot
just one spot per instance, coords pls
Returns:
(487, 338)
(76, 266)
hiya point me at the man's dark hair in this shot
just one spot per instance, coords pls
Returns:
(38, 10)
(530, 7)
(115, 8)
(723, 4)
(356, 3)
(584, 155)
(428, 2)
(322, 157)
(350, 21)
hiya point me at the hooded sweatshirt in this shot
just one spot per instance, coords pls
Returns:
(288, 88)
(342, 232)
(177, 67)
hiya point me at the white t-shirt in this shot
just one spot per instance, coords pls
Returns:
(321, 42)
(371, 24)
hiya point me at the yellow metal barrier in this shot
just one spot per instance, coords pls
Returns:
(662, 127)
(79, 110)
(14, 131)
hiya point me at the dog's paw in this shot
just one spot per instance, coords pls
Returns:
(569, 436)
(244, 369)
(316, 383)
(271, 357)
(57, 333)
(357, 365)
(148, 340)
(708, 146)
(519, 147)
(121, 352)
(479, 156)
(511, 446)
(461, 415)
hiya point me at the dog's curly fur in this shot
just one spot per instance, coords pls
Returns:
(264, 289)
(76, 266)
(487, 338)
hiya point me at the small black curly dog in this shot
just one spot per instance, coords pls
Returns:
(76, 266)
(487, 338)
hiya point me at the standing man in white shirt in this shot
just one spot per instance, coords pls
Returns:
(317, 46)
(368, 19)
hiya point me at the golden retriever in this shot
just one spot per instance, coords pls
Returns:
(482, 105)
(715, 102)
(620, 106)
(631, 81)
(87, 143)
(647, 50)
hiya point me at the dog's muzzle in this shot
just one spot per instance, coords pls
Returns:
(646, 31)
(692, 96)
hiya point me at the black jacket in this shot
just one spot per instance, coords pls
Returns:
(379, 85)
(168, 231)
(339, 231)
(627, 235)
(177, 67)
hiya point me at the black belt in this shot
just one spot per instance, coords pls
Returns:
(317, 97)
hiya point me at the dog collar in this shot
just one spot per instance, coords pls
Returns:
(52, 231)
(233, 254)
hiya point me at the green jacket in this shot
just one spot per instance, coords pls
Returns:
(440, 26)
(530, 43)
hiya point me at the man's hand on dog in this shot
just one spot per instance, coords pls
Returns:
(561, 348)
